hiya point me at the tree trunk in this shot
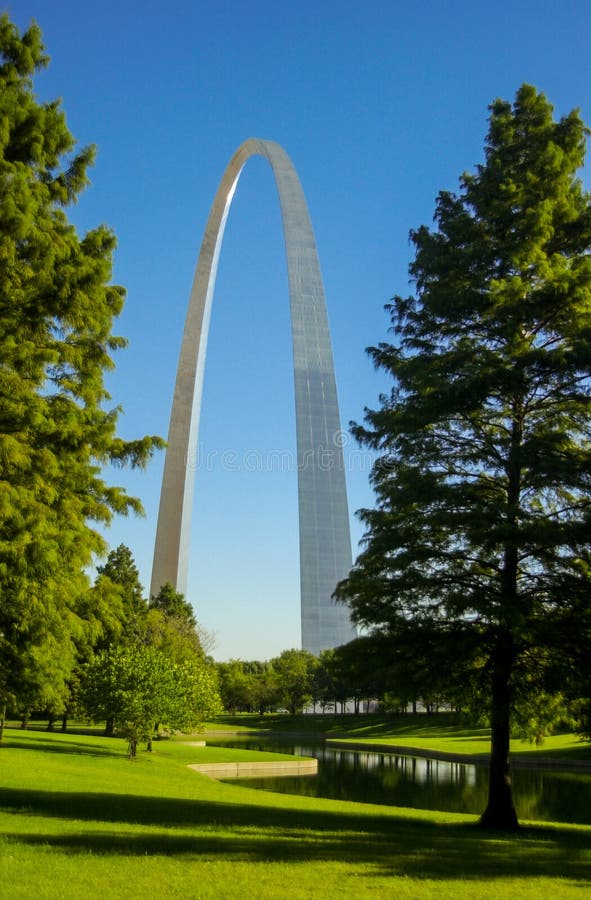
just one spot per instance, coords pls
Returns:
(2, 718)
(500, 812)
(110, 727)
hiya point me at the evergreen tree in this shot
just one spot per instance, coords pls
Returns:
(56, 430)
(483, 482)
(119, 579)
(173, 605)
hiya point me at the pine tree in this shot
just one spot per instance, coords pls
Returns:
(119, 578)
(173, 605)
(57, 431)
(483, 482)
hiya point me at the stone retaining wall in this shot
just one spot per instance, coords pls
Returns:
(257, 769)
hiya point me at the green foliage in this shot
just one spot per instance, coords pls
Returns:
(173, 605)
(118, 579)
(170, 625)
(483, 482)
(359, 669)
(247, 686)
(153, 671)
(332, 684)
(139, 686)
(57, 307)
(265, 689)
(540, 716)
(236, 686)
(289, 681)
(401, 669)
(295, 675)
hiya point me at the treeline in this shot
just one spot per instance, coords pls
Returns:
(384, 674)
(295, 681)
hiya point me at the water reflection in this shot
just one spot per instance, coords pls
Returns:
(410, 781)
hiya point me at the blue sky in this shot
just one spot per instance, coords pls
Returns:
(379, 106)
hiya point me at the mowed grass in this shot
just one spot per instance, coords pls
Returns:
(440, 733)
(78, 820)
(476, 742)
(567, 746)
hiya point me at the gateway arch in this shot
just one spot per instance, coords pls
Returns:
(325, 542)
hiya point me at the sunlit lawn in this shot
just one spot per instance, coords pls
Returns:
(477, 742)
(78, 820)
(439, 732)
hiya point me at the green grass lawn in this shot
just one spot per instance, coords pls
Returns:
(472, 742)
(440, 732)
(567, 746)
(78, 820)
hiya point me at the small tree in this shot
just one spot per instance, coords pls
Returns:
(483, 516)
(138, 686)
(236, 686)
(332, 684)
(295, 678)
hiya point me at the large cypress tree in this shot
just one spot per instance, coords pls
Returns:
(57, 431)
(482, 527)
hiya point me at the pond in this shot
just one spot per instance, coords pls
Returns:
(396, 780)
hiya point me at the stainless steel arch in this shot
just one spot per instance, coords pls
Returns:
(325, 542)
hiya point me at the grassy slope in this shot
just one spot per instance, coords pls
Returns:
(78, 820)
(439, 732)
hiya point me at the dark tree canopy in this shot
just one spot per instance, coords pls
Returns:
(173, 605)
(120, 569)
(57, 428)
(482, 521)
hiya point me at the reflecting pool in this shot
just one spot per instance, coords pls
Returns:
(397, 780)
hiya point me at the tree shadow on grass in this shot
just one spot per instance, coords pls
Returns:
(394, 845)
(69, 747)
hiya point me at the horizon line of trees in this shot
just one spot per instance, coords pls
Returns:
(376, 674)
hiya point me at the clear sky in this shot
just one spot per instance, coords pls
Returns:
(380, 105)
